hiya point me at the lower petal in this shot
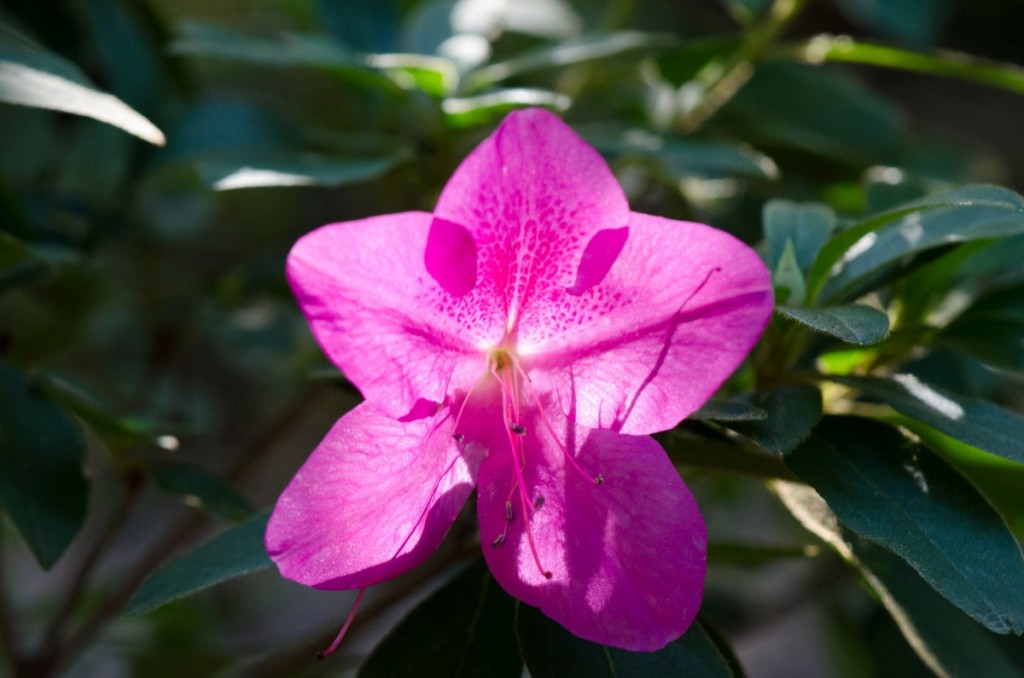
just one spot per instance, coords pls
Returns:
(374, 499)
(627, 557)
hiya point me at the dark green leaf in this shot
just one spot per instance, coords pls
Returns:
(685, 63)
(729, 410)
(973, 213)
(17, 263)
(970, 420)
(808, 226)
(197, 485)
(41, 484)
(861, 325)
(366, 26)
(201, 39)
(947, 640)
(225, 174)
(826, 113)
(792, 412)
(907, 499)
(552, 652)
(684, 157)
(787, 279)
(233, 553)
(992, 329)
(30, 75)
(467, 628)
(915, 21)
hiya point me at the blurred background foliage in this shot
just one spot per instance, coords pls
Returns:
(158, 385)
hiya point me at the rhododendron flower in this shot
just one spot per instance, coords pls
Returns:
(524, 339)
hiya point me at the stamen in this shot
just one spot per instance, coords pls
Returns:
(458, 437)
(538, 503)
(521, 430)
(508, 511)
(498, 541)
(320, 656)
(598, 479)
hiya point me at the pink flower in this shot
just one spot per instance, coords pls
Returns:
(525, 339)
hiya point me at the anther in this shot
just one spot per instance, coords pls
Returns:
(516, 428)
(538, 502)
(458, 437)
(508, 511)
(547, 574)
(599, 480)
(498, 541)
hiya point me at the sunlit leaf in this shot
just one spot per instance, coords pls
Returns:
(226, 174)
(483, 108)
(961, 215)
(574, 51)
(904, 497)
(42, 488)
(861, 325)
(467, 628)
(31, 75)
(233, 553)
(970, 420)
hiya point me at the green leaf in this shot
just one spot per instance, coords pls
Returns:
(905, 498)
(552, 652)
(17, 263)
(945, 63)
(199, 486)
(787, 280)
(729, 410)
(483, 108)
(467, 628)
(861, 325)
(793, 410)
(682, 157)
(970, 420)
(808, 226)
(32, 76)
(280, 169)
(687, 61)
(371, 27)
(569, 52)
(963, 215)
(948, 641)
(992, 329)
(236, 552)
(825, 113)
(916, 21)
(285, 49)
(41, 484)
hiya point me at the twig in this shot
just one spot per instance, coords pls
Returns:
(740, 68)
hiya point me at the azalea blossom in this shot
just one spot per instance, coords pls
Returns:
(524, 339)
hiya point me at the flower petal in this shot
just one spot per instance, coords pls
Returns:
(533, 195)
(627, 557)
(679, 310)
(374, 499)
(381, 317)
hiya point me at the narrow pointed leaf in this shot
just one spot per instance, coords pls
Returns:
(855, 324)
(233, 553)
(907, 499)
(199, 486)
(467, 628)
(42, 488)
(552, 652)
(808, 226)
(970, 420)
(31, 75)
(296, 170)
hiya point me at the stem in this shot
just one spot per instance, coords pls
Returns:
(725, 83)
(8, 640)
(73, 595)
